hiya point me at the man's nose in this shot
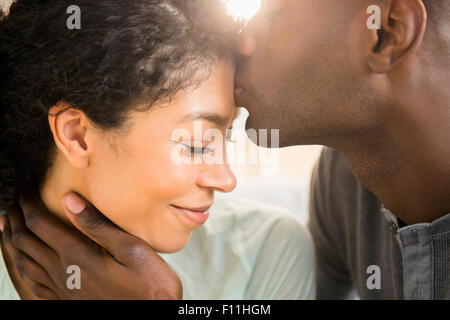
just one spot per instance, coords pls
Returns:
(219, 177)
(247, 44)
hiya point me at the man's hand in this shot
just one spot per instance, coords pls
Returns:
(113, 263)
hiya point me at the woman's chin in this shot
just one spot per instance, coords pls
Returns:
(172, 245)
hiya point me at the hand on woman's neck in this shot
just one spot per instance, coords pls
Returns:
(61, 179)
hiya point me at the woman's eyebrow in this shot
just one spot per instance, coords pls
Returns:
(208, 116)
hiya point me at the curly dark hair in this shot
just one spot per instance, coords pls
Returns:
(128, 55)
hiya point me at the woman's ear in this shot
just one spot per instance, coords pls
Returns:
(69, 128)
(403, 24)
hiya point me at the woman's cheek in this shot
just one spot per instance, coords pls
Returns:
(136, 195)
(117, 190)
(177, 176)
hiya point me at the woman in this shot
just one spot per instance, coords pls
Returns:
(94, 111)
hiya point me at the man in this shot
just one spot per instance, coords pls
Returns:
(380, 205)
(380, 97)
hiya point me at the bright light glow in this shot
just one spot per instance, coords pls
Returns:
(243, 8)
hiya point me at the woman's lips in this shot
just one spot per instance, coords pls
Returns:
(198, 215)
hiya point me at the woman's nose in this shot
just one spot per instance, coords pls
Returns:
(219, 177)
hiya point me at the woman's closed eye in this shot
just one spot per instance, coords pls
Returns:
(196, 151)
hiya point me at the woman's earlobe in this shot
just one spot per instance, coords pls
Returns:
(69, 129)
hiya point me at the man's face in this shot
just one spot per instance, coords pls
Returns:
(298, 71)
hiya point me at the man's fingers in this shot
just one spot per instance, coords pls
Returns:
(25, 266)
(40, 291)
(48, 228)
(28, 243)
(124, 247)
(3, 219)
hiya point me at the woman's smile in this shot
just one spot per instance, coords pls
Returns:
(197, 216)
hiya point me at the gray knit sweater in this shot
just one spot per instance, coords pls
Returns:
(359, 244)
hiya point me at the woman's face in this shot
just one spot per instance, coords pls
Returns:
(136, 178)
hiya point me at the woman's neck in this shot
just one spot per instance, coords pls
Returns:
(61, 179)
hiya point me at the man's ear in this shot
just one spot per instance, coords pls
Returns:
(403, 24)
(69, 128)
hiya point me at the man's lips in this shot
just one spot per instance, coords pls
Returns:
(238, 87)
(197, 215)
(241, 97)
